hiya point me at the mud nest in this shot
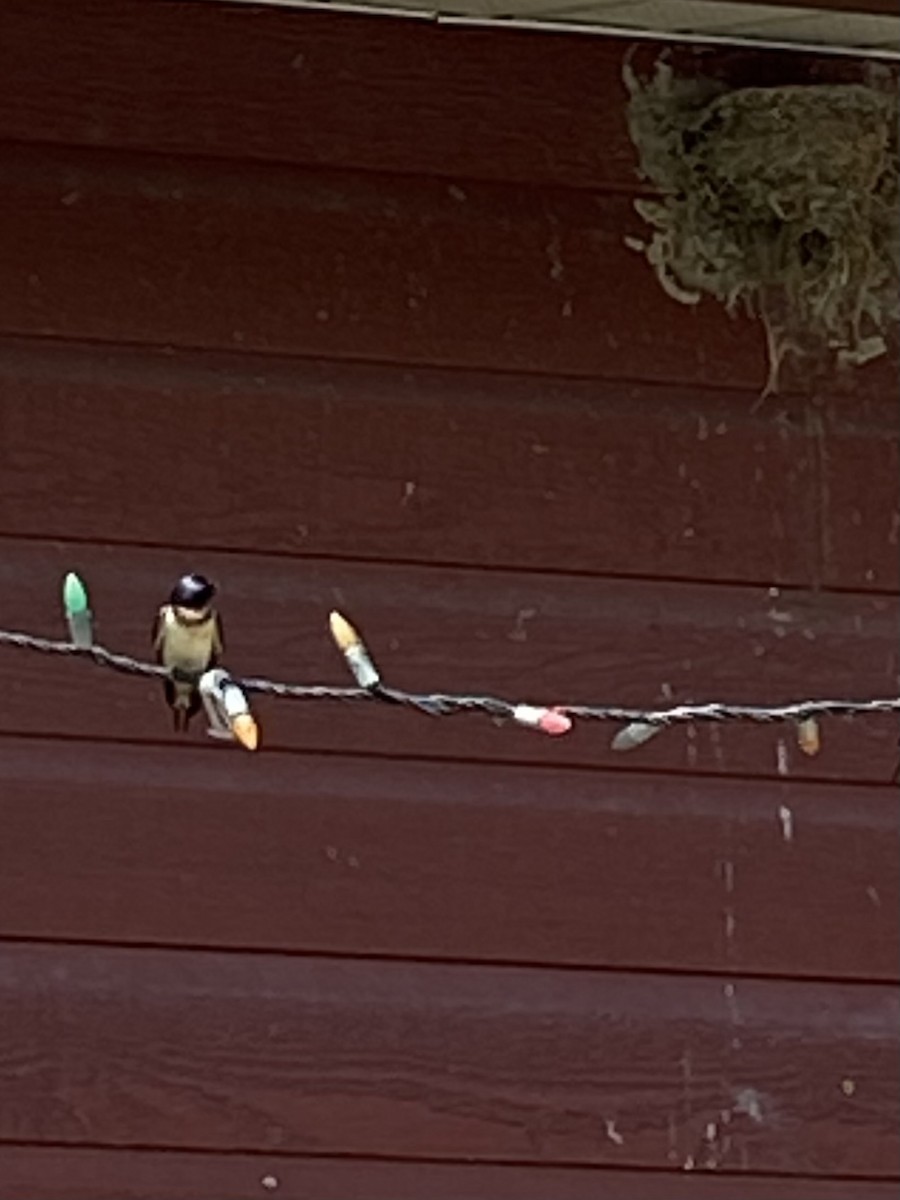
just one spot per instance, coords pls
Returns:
(782, 201)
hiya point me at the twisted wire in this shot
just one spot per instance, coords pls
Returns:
(441, 704)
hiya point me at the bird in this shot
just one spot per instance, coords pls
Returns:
(188, 640)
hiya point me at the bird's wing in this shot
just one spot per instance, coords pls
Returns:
(218, 646)
(159, 625)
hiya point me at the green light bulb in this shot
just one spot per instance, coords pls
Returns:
(78, 614)
(75, 596)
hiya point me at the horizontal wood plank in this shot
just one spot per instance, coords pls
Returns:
(222, 1051)
(277, 84)
(480, 863)
(536, 638)
(356, 266)
(386, 463)
(144, 250)
(55, 1173)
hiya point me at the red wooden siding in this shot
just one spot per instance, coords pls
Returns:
(499, 863)
(534, 636)
(338, 310)
(323, 89)
(351, 265)
(414, 253)
(390, 463)
(87, 1174)
(437, 1062)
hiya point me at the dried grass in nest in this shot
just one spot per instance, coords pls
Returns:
(781, 200)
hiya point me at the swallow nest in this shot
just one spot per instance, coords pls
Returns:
(782, 201)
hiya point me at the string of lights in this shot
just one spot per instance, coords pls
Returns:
(227, 707)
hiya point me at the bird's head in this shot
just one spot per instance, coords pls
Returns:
(192, 597)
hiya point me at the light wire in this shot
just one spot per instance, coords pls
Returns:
(439, 704)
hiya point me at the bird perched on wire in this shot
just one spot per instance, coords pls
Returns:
(187, 638)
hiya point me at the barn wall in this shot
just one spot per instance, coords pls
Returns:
(339, 310)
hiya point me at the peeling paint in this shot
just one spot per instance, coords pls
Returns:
(613, 1134)
(730, 993)
(554, 257)
(780, 615)
(749, 1102)
(786, 817)
(687, 1079)
(519, 633)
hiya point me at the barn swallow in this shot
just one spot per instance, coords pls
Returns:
(187, 638)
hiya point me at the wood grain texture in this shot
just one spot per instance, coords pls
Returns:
(434, 861)
(557, 639)
(387, 463)
(859, 481)
(355, 266)
(145, 250)
(338, 89)
(53, 1173)
(244, 194)
(223, 1051)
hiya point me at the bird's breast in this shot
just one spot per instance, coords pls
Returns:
(188, 647)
